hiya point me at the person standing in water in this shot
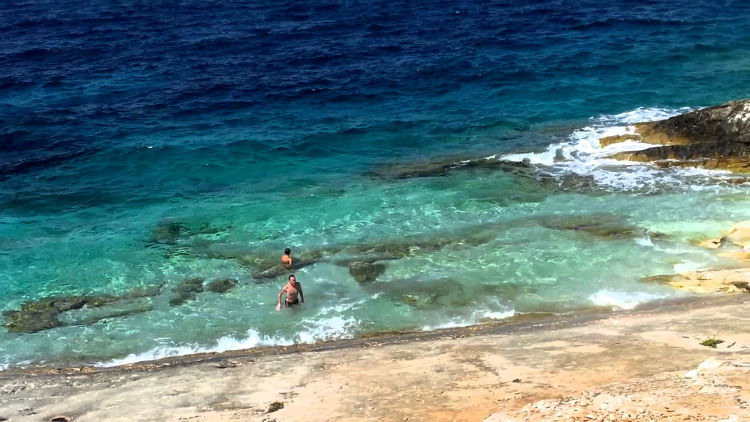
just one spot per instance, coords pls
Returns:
(286, 259)
(292, 289)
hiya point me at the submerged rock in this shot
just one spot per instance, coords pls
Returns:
(442, 167)
(43, 314)
(222, 285)
(30, 321)
(89, 315)
(140, 292)
(365, 253)
(278, 270)
(187, 290)
(713, 138)
(424, 295)
(38, 315)
(170, 232)
(364, 272)
(604, 225)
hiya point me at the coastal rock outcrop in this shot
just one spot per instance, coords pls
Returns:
(709, 281)
(735, 244)
(738, 235)
(712, 138)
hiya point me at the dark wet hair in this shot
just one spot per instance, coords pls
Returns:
(292, 275)
(287, 251)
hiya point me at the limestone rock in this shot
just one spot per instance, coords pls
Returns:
(609, 140)
(739, 256)
(725, 123)
(728, 156)
(738, 235)
(710, 281)
(713, 138)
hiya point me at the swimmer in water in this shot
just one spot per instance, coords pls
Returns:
(292, 290)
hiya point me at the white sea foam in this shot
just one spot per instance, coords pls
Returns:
(253, 339)
(622, 300)
(328, 329)
(345, 306)
(581, 154)
(684, 267)
(3, 366)
(475, 318)
(644, 241)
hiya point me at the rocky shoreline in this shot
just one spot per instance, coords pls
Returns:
(597, 366)
(711, 138)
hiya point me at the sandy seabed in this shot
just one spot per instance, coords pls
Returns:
(646, 364)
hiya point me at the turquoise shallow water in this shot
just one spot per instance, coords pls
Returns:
(482, 245)
(144, 146)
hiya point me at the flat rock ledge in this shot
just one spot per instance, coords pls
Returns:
(735, 244)
(709, 281)
(714, 384)
(711, 138)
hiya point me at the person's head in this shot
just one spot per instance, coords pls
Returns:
(287, 251)
(292, 279)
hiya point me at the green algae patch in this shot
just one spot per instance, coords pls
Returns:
(711, 342)
(277, 405)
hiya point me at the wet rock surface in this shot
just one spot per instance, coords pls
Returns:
(709, 281)
(734, 244)
(712, 138)
(726, 156)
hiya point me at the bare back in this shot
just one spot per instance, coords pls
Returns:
(286, 260)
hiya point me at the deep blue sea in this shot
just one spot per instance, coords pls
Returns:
(143, 143)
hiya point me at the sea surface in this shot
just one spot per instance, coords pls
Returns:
(143, 143)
